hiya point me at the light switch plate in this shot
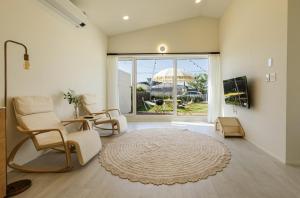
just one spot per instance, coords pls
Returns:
(267, 77)
(273, 77)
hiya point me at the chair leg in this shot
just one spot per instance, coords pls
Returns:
(118, 127)
(68, 154)
(15, 166)
(114, 126)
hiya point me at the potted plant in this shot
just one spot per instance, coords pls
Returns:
(74, 99)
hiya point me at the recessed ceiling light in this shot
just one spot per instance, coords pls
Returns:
(198, 1)
(126, 18)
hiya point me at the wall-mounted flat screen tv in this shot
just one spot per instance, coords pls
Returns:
(236, 91)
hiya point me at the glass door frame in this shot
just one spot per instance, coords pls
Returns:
(174, 58)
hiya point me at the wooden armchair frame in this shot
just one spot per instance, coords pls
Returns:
(92, 107)
(31, 134)
(98, 121)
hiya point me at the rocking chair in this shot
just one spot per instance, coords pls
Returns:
(37, 120)
(102, 118)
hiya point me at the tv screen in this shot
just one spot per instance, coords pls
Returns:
(236, 92)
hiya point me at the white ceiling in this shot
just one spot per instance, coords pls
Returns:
(107, 14)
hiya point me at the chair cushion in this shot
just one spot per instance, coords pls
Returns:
(87, 144)
(89, 99)
(91, 103)
(114, 113)
(43, 121)
(26, 105)
(93, 108)
(35, 113)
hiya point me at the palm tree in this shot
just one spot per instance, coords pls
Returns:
(200, 83)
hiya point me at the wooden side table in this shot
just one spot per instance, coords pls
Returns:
(89, 124)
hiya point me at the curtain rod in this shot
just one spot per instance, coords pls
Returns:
(174, 53)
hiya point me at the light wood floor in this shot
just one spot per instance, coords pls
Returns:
(250, 174)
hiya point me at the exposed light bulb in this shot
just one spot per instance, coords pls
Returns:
(26, 65)
(26, 62)
(198, 1)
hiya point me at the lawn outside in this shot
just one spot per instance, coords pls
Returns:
(194, 109)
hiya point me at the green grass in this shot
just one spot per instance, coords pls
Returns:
(194, 109)
(191, 109)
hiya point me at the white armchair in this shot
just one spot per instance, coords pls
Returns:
(37, 120)
(102, 117)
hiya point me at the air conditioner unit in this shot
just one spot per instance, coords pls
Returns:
(68, 10)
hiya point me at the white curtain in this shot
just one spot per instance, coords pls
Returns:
(112, 89)
(215, 85)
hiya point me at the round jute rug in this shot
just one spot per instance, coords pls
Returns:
(164, 156)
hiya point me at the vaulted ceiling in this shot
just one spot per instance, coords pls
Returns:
(107, 14)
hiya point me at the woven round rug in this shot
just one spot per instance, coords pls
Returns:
(164, 156)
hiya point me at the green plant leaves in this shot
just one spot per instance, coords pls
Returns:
(72, 97)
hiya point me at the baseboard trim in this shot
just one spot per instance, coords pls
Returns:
(293, 163)
(267, 152)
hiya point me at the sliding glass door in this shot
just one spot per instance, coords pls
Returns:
(192, 76)
(163, 86)
(154, 87)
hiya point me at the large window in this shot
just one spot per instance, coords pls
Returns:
(192, 76)
(163, 86)
(153, 91)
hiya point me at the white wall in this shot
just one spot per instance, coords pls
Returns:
(293, 84)
(250, 33)
(62, 56)
(199, 34)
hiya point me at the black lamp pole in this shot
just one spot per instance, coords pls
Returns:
(21, 185)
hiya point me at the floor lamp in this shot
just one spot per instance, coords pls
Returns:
(21, 185)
